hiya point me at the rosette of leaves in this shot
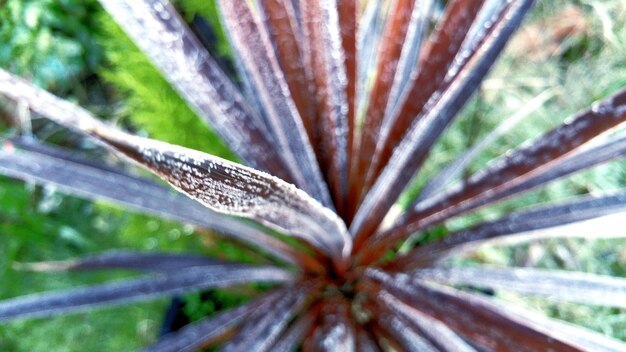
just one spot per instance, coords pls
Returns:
(335, 114)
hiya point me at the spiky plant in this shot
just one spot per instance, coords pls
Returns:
(333, 132)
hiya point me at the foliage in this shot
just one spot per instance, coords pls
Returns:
(352, 282)
(149, 101)
(49, 41)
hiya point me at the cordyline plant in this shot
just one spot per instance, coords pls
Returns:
(326, 166)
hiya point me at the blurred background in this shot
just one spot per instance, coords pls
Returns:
(567, 55)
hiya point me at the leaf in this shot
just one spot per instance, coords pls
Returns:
(290, 340)
(43, 164)
(428, 76)
(412, 151)
(335, 331)
(221, 185)
(256, 52)
(46, 304)
(325, 55)
(519, 223)
(158, 31)
(478, 319)
(389, 51)
(409, 64)
(365, 342)
(283, 28)
(263, 329)
(157, 262)
(530, 165)
(192, 336)
(405, 335)
(438, 182)
(560, 285)
(435, 331)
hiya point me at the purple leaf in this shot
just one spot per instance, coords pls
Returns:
(529, 166)
(516, 224)
(435, 331)
(192, 336)
(429, 76)
(560, 285)
(46, 304)
(262, 329)
(220, 185)
(159, 32)
(48, 165)
(252, 42)
(157, 262)
(404, 334)
(438, 182)
(290, 340)
(334, 331)
(325, 54)
(389, 50)
(478, 319)
(410, 154)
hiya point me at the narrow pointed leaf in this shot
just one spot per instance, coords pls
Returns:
(348, 24)
(442, 337)
(409, 63)
(326, 57)
(404, 334)
(438, 182)
(192, 336)
(365, 342)
(391, 45)
(335, 331)
(411, 153)
(221, 185)
(51, 166)
(253, 44)
(427, 78)
(282, 25)
(370, 30)
(519, 223)
(261, 331)
(158, 31)
(560, 285)
(157, 262)
(530, 165)
(46, 304)
(290, 340)
(477, 319)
